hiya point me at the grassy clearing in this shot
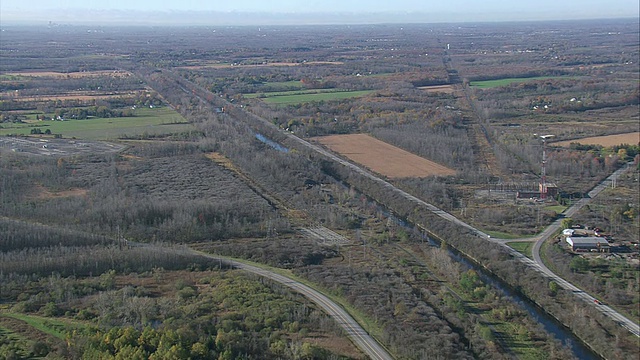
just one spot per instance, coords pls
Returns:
(503, 82)
(299, 97)
(525, 248)
(559, 209)
(282, 86)
(48, 326)
(268, 94)
(512, 334)
(517, 339)
(10, 77)
(150, 121)
(504, 235)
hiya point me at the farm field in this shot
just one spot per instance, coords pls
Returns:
(609, 140)
(74, 75)
(82, 96)
(272, 86)
(266, 64)
(176, 149)
(268, 94)
(502, 82)
(150, 121)
(315, 96)
(447, 89)
(383, 158)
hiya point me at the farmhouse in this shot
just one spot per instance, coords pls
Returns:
(596, 244)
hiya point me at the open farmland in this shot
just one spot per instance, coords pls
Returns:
(383, 158)
(285, 93)
(609, 140)
(221, 65)
(155, 121)
(447, 89)
(299, 98)
(232, 175)
(81, 96)
(74, 75)
(503, 82)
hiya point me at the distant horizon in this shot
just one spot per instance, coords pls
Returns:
(115, 17)
(308, 12)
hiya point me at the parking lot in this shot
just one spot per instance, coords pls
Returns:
(56, 147)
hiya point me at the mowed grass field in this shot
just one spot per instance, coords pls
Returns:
(383, 158)
(487, 84)
(608, 140)
(155, 121)
(525, 248)
(299, 97)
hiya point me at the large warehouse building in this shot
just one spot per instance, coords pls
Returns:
(588, 244)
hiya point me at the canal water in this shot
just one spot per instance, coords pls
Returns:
(549, 323)
(272, 143)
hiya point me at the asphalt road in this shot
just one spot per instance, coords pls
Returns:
(556, 226)
(359, 336)
(537, 265)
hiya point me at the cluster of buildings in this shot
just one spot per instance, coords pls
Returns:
(582, 240)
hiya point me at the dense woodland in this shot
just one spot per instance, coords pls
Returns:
(102, 241)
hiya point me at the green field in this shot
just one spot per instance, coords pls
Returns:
(282, 86)
(298, 97)
(156, 121)
(557, 208)
(9, 77)
(503, 82)
(48, 326)
(504, 235)
(525, 248)
(269, 94)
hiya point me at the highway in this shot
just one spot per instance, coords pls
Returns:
(358, 335)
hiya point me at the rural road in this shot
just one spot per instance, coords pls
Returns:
(557, 225)
(360, 337)
(537, 265)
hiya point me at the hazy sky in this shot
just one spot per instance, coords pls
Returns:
(443, 10)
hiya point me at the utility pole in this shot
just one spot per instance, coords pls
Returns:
(543, 180)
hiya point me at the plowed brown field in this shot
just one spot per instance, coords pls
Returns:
(383, 158)
(447, 89)
(609, 140)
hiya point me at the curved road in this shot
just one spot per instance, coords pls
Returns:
(537, 265)
(360, 337)
(557, 225)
